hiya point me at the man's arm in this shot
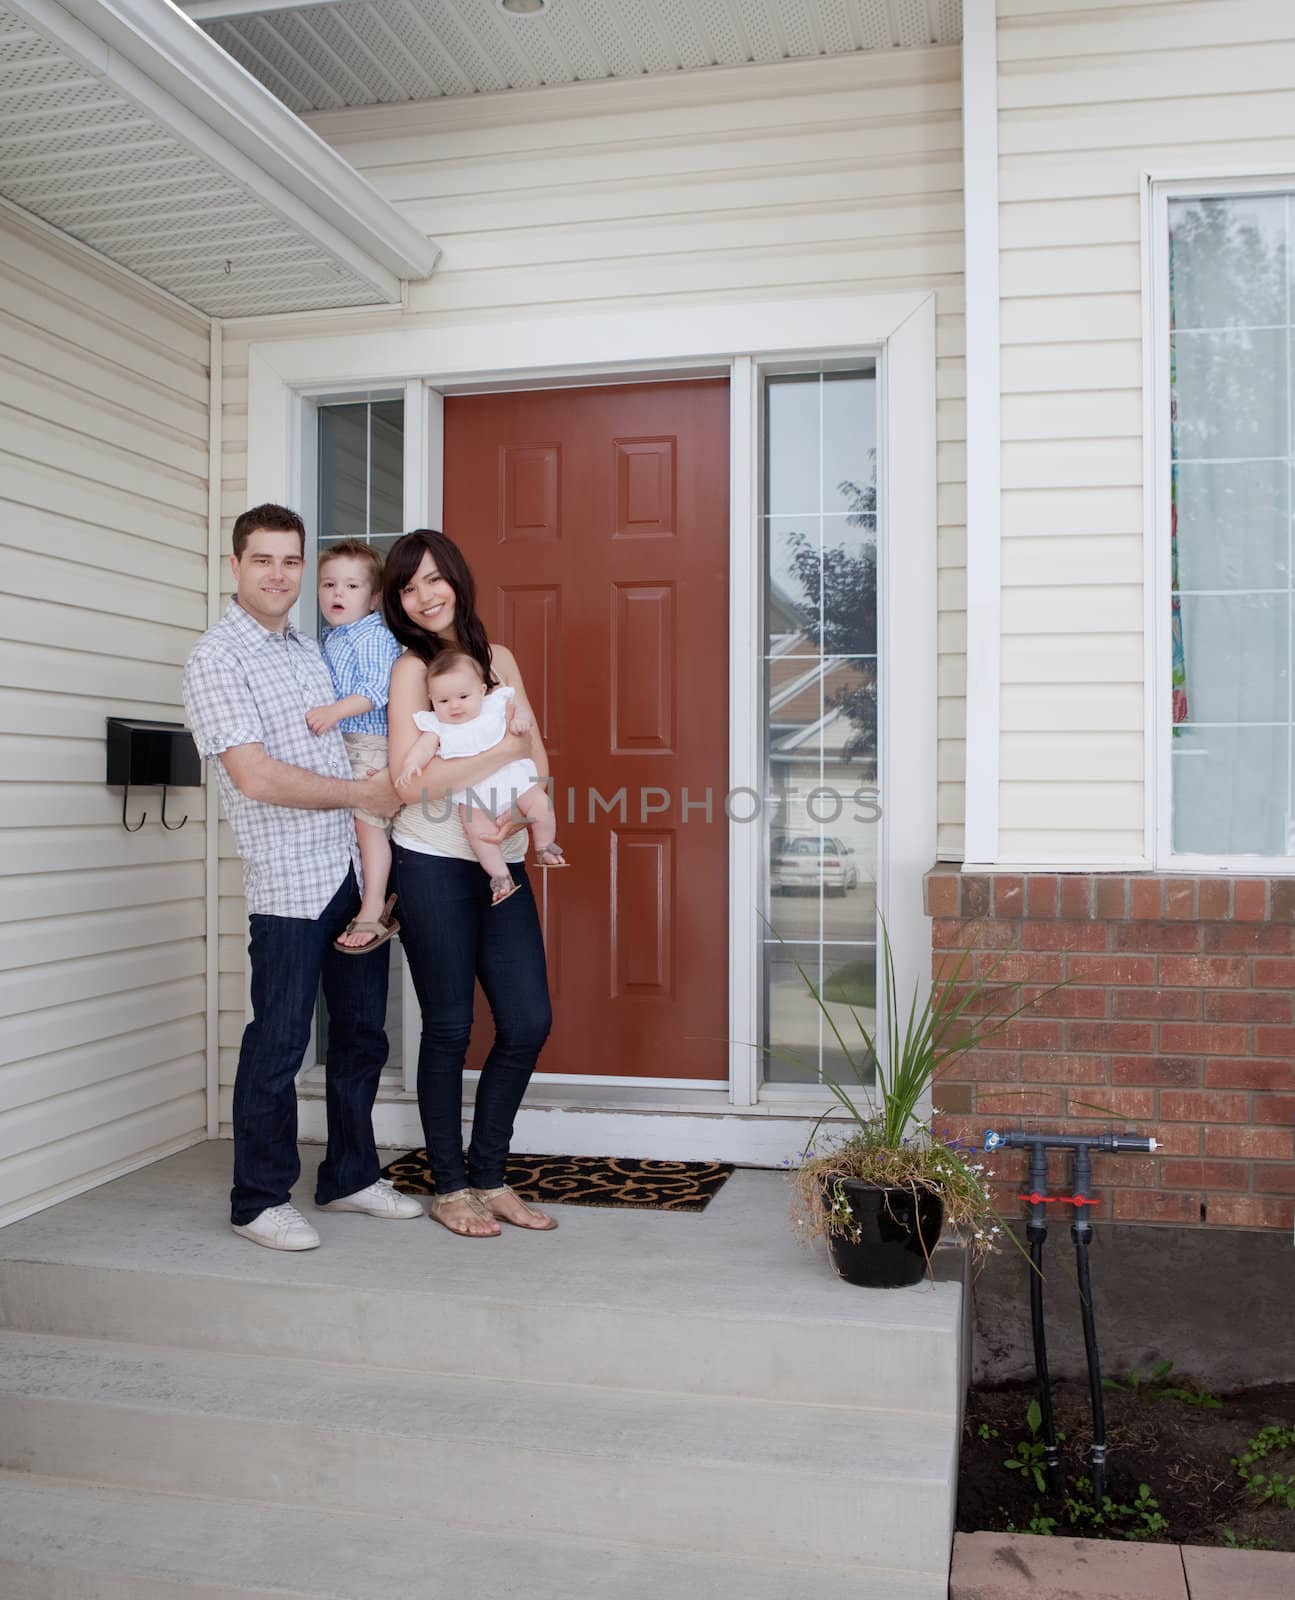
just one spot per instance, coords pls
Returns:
(278, 783)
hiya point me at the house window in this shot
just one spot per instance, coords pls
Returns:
(361, 496)
(820, 661)
(1229, 528)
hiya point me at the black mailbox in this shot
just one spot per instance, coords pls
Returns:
(154, 754)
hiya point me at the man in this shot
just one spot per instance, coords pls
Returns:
(288, 795)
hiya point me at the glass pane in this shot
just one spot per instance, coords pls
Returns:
(850, 999)
(1233, 525)
(343, 471)
(849, 580)
(792, 446)
(849, 435)
(792, 1021)
(1232, 790)
(387, 486)
(1229, 262)
(793, 584)
(1230, 397)
(1236, 657)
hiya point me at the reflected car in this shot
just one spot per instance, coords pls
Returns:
(808, 861)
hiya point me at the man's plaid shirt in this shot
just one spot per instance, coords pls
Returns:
(246, 685)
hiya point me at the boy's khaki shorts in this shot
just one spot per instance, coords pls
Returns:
(367, 752)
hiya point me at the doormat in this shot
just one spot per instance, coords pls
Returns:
(589, 1180)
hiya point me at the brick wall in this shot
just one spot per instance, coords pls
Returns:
(1178, 1013)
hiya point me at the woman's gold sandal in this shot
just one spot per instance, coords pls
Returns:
(441, 1204)
(485, 1196)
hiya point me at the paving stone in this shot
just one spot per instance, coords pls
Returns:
(1214, 1574)
(1010, 1566)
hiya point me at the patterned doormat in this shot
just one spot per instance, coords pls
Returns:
(590, 1180)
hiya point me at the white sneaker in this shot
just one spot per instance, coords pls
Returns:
(378, 1200)
(280, 1228)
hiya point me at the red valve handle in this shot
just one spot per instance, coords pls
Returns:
(1058, 1199)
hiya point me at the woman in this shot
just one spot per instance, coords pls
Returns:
(452, 934)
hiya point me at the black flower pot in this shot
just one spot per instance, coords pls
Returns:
(897, 1231)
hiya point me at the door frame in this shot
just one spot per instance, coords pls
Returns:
(287, 379)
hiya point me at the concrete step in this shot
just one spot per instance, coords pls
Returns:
(725, 1302)
(67, 1541)
(758, 1481)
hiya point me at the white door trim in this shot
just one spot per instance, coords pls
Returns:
(737, 339)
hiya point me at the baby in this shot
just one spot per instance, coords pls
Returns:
(466, 718)
(359, 650)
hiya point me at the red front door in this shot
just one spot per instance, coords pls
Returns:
(596, 523)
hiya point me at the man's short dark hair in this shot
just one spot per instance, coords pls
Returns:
(271, 519)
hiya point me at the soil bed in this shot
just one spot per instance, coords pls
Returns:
(1183, 1452)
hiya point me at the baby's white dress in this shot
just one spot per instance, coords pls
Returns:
(472, 738)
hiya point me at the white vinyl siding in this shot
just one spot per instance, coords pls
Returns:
(103, 523)
(1091, 97)
(823, 176)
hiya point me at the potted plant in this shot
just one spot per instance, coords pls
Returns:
(881, 1194)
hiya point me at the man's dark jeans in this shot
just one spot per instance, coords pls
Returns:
(453, 937)
(290, 957)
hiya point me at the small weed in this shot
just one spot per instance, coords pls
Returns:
(1231, 1542)
(1276, 1486)
(1153, 1386)
(985, 1432)
(1028, 1455)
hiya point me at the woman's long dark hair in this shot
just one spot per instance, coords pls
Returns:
(403, 561)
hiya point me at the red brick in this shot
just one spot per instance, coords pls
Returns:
(1275, 1177)
(975, 896)
(1113, 898)
(941, 894)
(1190, 1173)
(1110, 1036)
(1112, 969)
(1249, 1007)
(1180, 899)
(1275, 1108)
(1022, 1102)
(1274, 1041)
(1041, 895)
(1251, 1144)
(1272, 1076)
(1144, 899)
(1250, 1211)
(1056, 1068)
(950, 1097)
(1172, 1003)
(1250, 900)
(1216, 899)
(1178, 936)
(1203, 1038)
(1127, 1172)
(1266, 938)
(1273, 974)
(1210, 1106)
(1134, 1105)
(1204, 972)
(1025, 966)
(1068, 1002)
(1026, 1033)
(1179, 1138)
(1076, 896)
(979, 1066)
(1281, 900)
(1156, 1205)
(1066, 935)
(1009, 895)
(1159, 1072)
(953, 934)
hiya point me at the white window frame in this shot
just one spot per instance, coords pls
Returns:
(1158, 190)
(287, 376)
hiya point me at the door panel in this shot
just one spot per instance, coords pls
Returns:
(596, 523)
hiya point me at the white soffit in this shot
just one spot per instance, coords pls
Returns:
(335, 54)
(123, 126)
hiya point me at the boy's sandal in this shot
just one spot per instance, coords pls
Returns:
(543, 1223)
(553, 850)
(386, 927)
(465, 1203)
(501, 889)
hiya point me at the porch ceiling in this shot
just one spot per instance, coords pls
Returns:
(122, 125)
(335, 54)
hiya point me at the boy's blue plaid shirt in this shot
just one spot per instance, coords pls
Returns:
(360, 656)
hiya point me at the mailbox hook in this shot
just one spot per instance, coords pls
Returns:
(125, 796)
(171, 826)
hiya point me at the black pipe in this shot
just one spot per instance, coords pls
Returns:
(1036, 1232)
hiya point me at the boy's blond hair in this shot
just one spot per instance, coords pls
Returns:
(359, 551)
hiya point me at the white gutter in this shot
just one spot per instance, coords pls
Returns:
(154, 55)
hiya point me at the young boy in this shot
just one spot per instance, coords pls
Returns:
(359, 651)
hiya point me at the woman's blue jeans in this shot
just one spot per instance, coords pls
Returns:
(454, 938)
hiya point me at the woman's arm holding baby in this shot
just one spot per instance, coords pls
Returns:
(522, 719)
